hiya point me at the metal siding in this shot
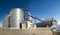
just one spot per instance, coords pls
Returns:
(17, 17)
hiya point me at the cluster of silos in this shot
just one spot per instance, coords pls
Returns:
(16, 17)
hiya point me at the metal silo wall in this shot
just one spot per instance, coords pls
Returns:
(17, 17)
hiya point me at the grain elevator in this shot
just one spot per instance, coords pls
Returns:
(18, 19)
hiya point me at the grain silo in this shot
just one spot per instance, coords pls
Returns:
(17, 17)
(6, 21)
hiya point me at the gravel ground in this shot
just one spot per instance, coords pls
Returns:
(38, 31)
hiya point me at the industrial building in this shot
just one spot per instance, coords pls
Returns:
(47, 22)
(18, 19)
(22, 19)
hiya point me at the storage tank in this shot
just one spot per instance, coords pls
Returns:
(26, 17)
(47, 19)
(30, 18)
(26, 13)
(5, 22)
(17, 17)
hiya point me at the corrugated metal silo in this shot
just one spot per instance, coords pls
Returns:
(17, 17)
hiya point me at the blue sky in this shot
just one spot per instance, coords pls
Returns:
(38, 8)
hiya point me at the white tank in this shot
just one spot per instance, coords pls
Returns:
(17, 17)
(26, 17)
(30, 18)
